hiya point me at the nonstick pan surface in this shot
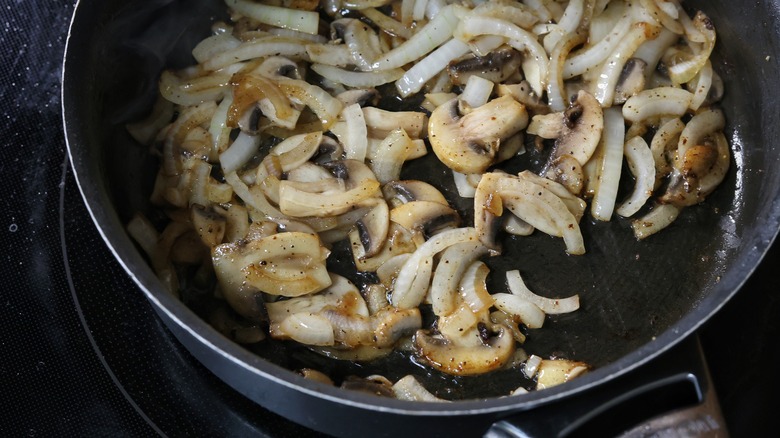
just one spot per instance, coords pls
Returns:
(639, 298)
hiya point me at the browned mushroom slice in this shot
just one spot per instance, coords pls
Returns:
(425, 218)
(488, 207)
(288, 264)
(372, 230)
(315, 200)
(341, 295)
(445, 356)
(496, 66)
(631, 80)
(401, 192)
(469, 144)
(391, 324)
(399, 241)
(580, 127)
(551, 372)
(523, 93)
(381, 122)
(209, 225)
(702, 160)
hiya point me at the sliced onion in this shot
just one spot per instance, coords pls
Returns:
(390, 156)
(609, 75)
(612, 140)
(258, 48)
(240, 151)
(520, 39)
(550, 306)
(587, 59)
(473, 287)
(411, 285)
(357, 79)
(308, 328)
(422, 71)
(433, 34)
(642, 166)
(449, 271)
(408, 388)
(296, 19)
(660, 217)
(355, 138)
(657, 102)
(529, 313)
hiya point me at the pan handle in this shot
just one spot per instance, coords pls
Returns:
(672, 394)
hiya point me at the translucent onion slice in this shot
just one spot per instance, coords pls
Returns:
(258, 48)
(588, 58)
(685, 70)
(608, 77)
(240, 151)
(355, 138)
(387, 24)
(660, 217)
(449, 271)
(325, 106)
(408, 388)
(529, 313)
(308, 329)
(701, 85)
(329, 54)
(612, 141)
(357, 79)
(642, 166)
(390, 156)
(296, 19)
(296, 202)
(657, 102)
(550, 306)
(471, 27)
(425, 69)
(433, 34)
(213, 45)
(413, 279)
(192, 91)
(294, 151)
(473, 287)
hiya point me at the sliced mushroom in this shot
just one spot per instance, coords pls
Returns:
(401, 192)
(209, 225)
(496, 66)
(631, 80)
(523, 93)
(381, 122)
(372, 230)
(469, 144)
(488, 207)
(425, 218)
(288, 264)
(551, 372)
(581, 127)
(391, 324)
(456, 360)
(341, 295)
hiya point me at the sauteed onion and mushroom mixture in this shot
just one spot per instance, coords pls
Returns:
(291, 134)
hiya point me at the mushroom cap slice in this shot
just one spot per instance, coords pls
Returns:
(584, 122)
(457, 360)
(469, 144)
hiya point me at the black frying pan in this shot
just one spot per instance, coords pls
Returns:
(640, 299)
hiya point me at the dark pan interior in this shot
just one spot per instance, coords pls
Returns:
(638, 297)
